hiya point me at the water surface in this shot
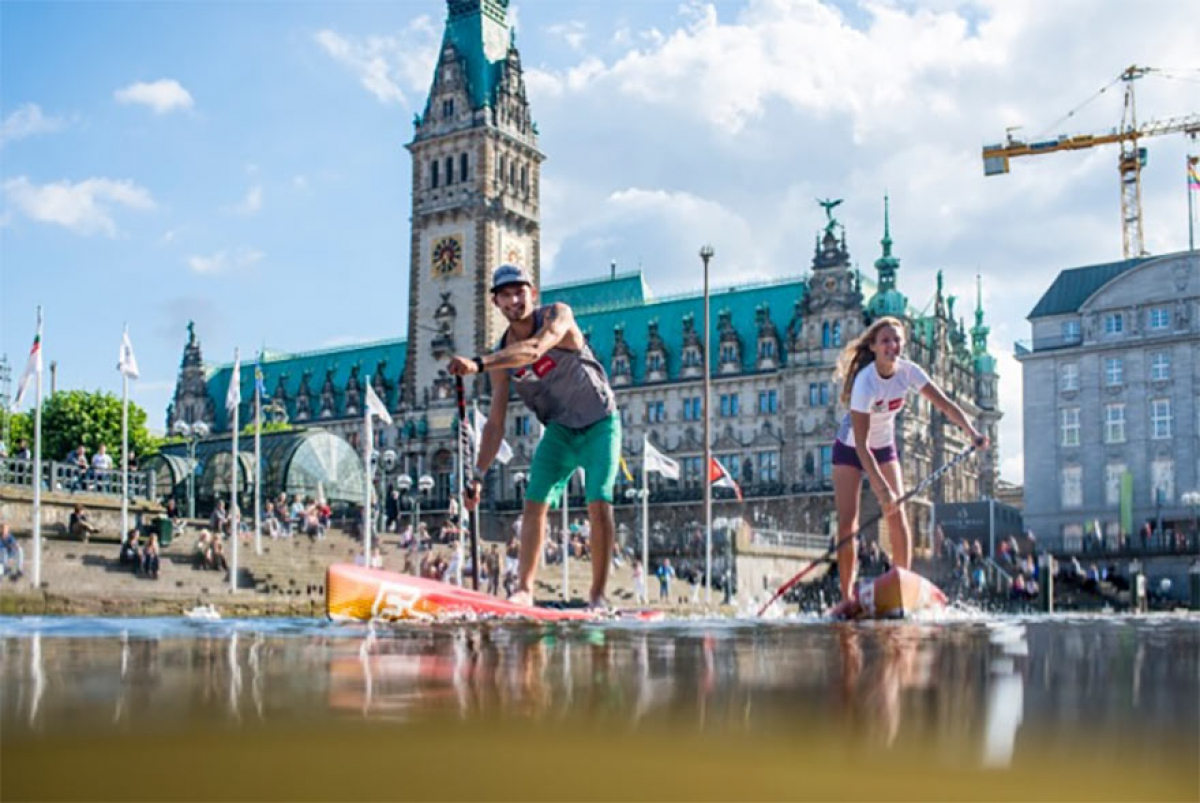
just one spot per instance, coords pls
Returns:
(1081, 708)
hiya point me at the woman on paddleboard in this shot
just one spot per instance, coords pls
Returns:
(875, 382)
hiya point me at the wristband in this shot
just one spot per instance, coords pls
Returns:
(478, 363)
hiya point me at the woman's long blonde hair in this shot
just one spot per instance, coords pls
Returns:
(858, 355)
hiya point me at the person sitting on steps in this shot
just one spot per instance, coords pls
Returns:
(80, 525)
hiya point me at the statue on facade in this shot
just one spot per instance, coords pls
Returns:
(831, 222)
(353, 392)
(328, 395)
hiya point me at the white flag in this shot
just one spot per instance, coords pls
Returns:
(478, 421)
(376, 406)
(233, 398)
(654, 460)
(33, 365)
(127, 364)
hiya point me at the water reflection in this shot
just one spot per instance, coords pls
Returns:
(971, 694)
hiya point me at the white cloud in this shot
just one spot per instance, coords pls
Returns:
(84, 207)
(252, 203)
(164, 95)
(225, 260)
(387, 66)
(300, 182)
(573, 32)
(27, 121)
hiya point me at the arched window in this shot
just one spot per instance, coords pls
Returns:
(826, 340)
(433, 174)
(524, 180)
(462, 167)
(503, 168)
(837, 333)
(449, 169)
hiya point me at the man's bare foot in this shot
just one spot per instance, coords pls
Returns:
(521, 598)
(599, 604)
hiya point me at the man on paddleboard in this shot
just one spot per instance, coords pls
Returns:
(544, 357)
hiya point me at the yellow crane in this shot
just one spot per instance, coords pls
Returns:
(1130, 162)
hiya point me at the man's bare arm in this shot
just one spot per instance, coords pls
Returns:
(557, 326)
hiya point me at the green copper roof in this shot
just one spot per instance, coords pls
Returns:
(292, 366)
(1074, 286)
(479, 31)
(622, 290)
(742, 302)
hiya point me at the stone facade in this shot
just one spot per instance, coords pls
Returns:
(1111, 382)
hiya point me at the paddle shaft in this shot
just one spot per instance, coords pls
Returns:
(918, 488)
(460, 397)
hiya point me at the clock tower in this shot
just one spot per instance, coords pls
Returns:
(475, 188)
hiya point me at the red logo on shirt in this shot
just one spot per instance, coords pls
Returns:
(895, 404)
(544, 366)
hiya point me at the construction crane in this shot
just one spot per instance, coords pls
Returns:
(1130, 162)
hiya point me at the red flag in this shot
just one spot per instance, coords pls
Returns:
(719, 476)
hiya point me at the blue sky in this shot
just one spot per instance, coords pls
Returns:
(242, 164)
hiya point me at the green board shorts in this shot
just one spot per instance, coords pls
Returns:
(596, 449)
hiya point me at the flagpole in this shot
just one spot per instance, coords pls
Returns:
(124, 447)
(706, 253)
(258, 457)
(233, 505)
(1190, 162)
(367, 447)
(37, 462)
(645, 524)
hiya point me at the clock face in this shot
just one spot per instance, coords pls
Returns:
(445, 257)
(514, 254)
(830, 284)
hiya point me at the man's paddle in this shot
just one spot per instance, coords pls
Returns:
(464, 517)
(920, 486)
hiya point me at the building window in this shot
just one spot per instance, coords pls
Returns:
(826, 337)
(1070, 377)
(620, 365)
(1114, 371)
(691, 470)
(1162, 481)
(433, 174)
(463, 162)
(502, 170)
(656, 412)
(448, 108)
(1160, 418)
(691, 357)
(826, 462)
(1072, 486)
(1070, 426)
(768, 466)
(728, 353)
(1112, 483)
(768, 401)
(818, 394)
(524, 179)
(729, 405)
(691, 408)
(1070, 331)
(1114, 323)
(1160, 318)
(766, 349)
(837, 333)
(1114, 423)
(1160, 367)
(521, 425)
(654, 362)
(449, 170)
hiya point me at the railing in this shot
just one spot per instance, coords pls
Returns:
(783, 538)
(72, 479)
(1157, 544)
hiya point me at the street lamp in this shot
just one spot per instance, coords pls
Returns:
(424, 486)
(193, 433)
(706, 253)
(1192, 500)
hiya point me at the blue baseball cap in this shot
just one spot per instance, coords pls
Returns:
(510, 274)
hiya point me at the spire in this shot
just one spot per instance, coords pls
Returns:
(979, 332)
(887, 265)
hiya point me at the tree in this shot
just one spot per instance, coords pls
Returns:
(21, 425)
(72, 417)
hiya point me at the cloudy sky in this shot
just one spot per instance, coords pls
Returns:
(242, 164)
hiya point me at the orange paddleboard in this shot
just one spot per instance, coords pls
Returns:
(356, 593)
(892, 595)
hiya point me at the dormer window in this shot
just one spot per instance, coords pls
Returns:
(729, 353)
(447, 108)
(766, 350)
